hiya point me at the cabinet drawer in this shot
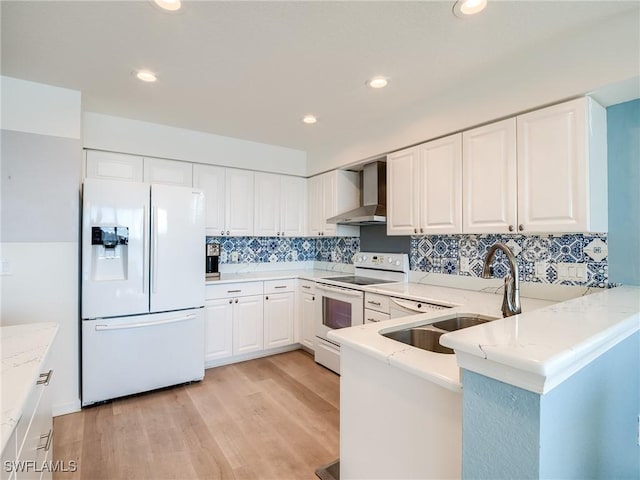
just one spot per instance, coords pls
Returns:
(30, 408)
(280, 286)
(307, 286)
(227, 290)
(371, 316)
(373, 301)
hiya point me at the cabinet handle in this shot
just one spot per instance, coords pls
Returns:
(236, 300)
(415, 230)
(371, 320)
(278, 234)
(313, 298)
(47, 444)
(280, 286)
(306, 286)
(373, 303)
(234, 291)
(283, 234)
(266, 298)
(227, 232)
(511, 228)
(521, 227)
(222, 232)
(421, 230)
(230, 300)
(44, 378)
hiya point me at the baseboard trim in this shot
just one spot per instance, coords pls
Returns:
(251, 356)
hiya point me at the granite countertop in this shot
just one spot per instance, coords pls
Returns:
(24, 349)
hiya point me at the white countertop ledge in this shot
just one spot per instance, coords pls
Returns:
(24, 349)
(538, 350)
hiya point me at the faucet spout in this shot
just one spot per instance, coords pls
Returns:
(511, 297)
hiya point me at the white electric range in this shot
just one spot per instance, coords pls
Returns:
(342, 298)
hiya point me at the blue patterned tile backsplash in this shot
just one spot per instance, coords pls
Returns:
(540, 258)
(284, 249)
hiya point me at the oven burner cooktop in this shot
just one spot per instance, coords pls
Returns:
(355, 280)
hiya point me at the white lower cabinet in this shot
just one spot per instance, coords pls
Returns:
(218, 317)
(248, 324)
(244, 319)
(278, 319)
(30, 445)
(306, 313)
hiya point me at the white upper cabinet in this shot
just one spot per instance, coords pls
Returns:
(562, 168)
(424, 188)
(403, 192)
(229, 199)
(441, 182)
(489, 193)
(332, 193)
(113, 166)
(280, 205)
(168, 172)
(239, 195)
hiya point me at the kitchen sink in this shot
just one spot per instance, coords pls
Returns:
(427, 336)
(421, 337)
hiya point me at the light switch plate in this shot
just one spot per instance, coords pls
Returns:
(573, 272)
(234, 256)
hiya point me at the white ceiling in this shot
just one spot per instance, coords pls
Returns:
(252, 69)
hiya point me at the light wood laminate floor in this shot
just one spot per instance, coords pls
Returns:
(271, 418)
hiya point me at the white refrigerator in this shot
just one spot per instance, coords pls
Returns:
(143, 280)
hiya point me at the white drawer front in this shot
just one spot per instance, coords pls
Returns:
(373, 301)
(280, 286)
(227, 290)
(371, 316)
(307, 286)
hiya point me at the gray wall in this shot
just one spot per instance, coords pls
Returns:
(623, 145)
(373, 238)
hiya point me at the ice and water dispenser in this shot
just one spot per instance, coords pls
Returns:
(109, 253)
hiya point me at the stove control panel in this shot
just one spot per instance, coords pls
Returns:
(382, 261)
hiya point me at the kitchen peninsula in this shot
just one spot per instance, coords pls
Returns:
(415, 398)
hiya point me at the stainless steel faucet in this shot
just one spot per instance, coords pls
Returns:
(511, 298)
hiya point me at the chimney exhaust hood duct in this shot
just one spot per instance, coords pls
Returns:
(374, 199)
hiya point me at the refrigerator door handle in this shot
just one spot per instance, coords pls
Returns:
(154, 262)
(100, 328)
(145, 248)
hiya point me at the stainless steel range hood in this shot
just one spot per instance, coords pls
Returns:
(374, 199)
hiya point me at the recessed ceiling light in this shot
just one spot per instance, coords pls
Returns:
(309, 119)
(377, 82)
(463, 8)
(146, 76)
(170, 5)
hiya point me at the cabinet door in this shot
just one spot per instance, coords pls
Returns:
(278, 319)
(248, 326)
(329, 202)
(218, 327)
(267, 204)
(316, 205)
(403, 201)
(552, 169)
(210, 180)
(169, 172)
(441, 186)
(489, 198)
(239, 195)
(307, 319)
(113, 166)
(293, 205)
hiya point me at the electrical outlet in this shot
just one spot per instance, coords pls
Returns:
(464, 264)
(234, 256)
(541, 269)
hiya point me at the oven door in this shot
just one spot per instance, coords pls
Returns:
(338, 308)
